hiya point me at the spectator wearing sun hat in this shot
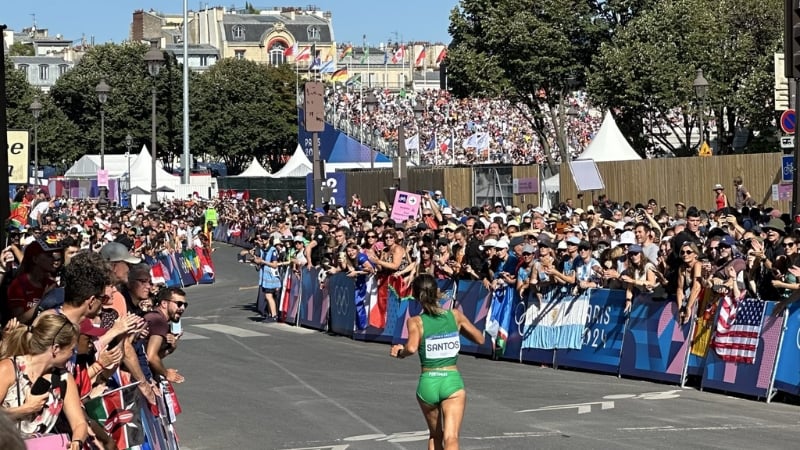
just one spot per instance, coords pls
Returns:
(720, 199)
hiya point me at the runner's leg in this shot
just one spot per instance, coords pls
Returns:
(433, 418)
(453, 412)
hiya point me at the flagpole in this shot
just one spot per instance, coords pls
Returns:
(424, 68)
(366, 56)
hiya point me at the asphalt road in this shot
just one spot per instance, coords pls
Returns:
(251, 385)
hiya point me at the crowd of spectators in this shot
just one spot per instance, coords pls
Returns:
(665, 251)
(447, 122)
(81, 313)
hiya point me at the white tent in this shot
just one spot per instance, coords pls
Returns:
(297, 166)
(87, 167)
(141, 172)
(255, 169)
(609, 144)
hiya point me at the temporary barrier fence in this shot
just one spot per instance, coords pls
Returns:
(181, 269)
(647, 343)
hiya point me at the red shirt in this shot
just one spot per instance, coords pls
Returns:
(23, 294)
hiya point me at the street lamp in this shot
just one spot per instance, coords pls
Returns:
(154, 59)
(102, 90)
(700, 86)
(128, 144)
(419, 110)
(371, 101)
(36, 109)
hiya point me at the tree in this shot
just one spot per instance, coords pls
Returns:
(532, 52)
(20, 49)
(127, 109)
(645, 72)
(246, 109)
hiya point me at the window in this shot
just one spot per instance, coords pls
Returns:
(44, 72)
(313, 32)
(62, 69)
(276, 57)
(23, 68)
(238, 32)
(238, 54)
(203, 60)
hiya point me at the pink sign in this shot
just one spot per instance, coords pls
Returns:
(102, 177)
(405, 205)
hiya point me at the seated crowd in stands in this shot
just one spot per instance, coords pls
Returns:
(81, 314)
(447, 122)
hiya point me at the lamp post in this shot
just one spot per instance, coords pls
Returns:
(700, 86)
(154, 59)
(371, 101)
(128, 144)
(36, 109)
(418, 112)
(102, 90)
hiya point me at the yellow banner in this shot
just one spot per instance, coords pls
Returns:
(18, 156)
(705, 149)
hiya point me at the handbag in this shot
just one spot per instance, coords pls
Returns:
(44, 441)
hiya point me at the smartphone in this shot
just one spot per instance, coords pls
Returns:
(175, 328)
(41, 386)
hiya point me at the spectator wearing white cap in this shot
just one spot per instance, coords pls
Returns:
(441, 202)
(720, 199)
(499, 211)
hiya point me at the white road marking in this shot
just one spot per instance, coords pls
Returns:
(233, 331)
(187, 336)
(583, 408)
(710, 428)
(290, 328)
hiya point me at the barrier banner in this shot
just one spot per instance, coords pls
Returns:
(749, 378)
(290, 297)
(472, 299)
(184, 270)
(192, 263)
(343, 309)
(787, 376)
(602, 336)
(410, 307)
(170, 270)
(556, 321)
(655, 346)
(313, 303)
(513, 349)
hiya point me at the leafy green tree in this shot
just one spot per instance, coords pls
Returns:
(128, 108)
(243, 109)
(533, 52)
(20, 49)
(645, 72)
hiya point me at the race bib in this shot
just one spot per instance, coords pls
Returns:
(442, 346)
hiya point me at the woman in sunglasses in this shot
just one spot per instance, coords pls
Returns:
(690, 281)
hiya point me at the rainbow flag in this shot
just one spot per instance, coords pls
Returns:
(348, 51)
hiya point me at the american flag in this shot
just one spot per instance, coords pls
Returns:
(738, 329)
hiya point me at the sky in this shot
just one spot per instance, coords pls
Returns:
(109, 20)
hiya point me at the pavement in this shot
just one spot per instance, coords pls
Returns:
(251, 385)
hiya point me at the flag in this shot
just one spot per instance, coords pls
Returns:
(365, 56)
(327, 67)
(303, 55)
(315, 64)
(557, 321)
(738, 329)
(118, 412)
(420, 58)
(353, 80)
(499, 318)
(347, 51)
(444, 146)
(412, 143)
(340, 75)
(399, 54)
(431, 144)
(442, 56)
(479, 141)
(290, 51)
